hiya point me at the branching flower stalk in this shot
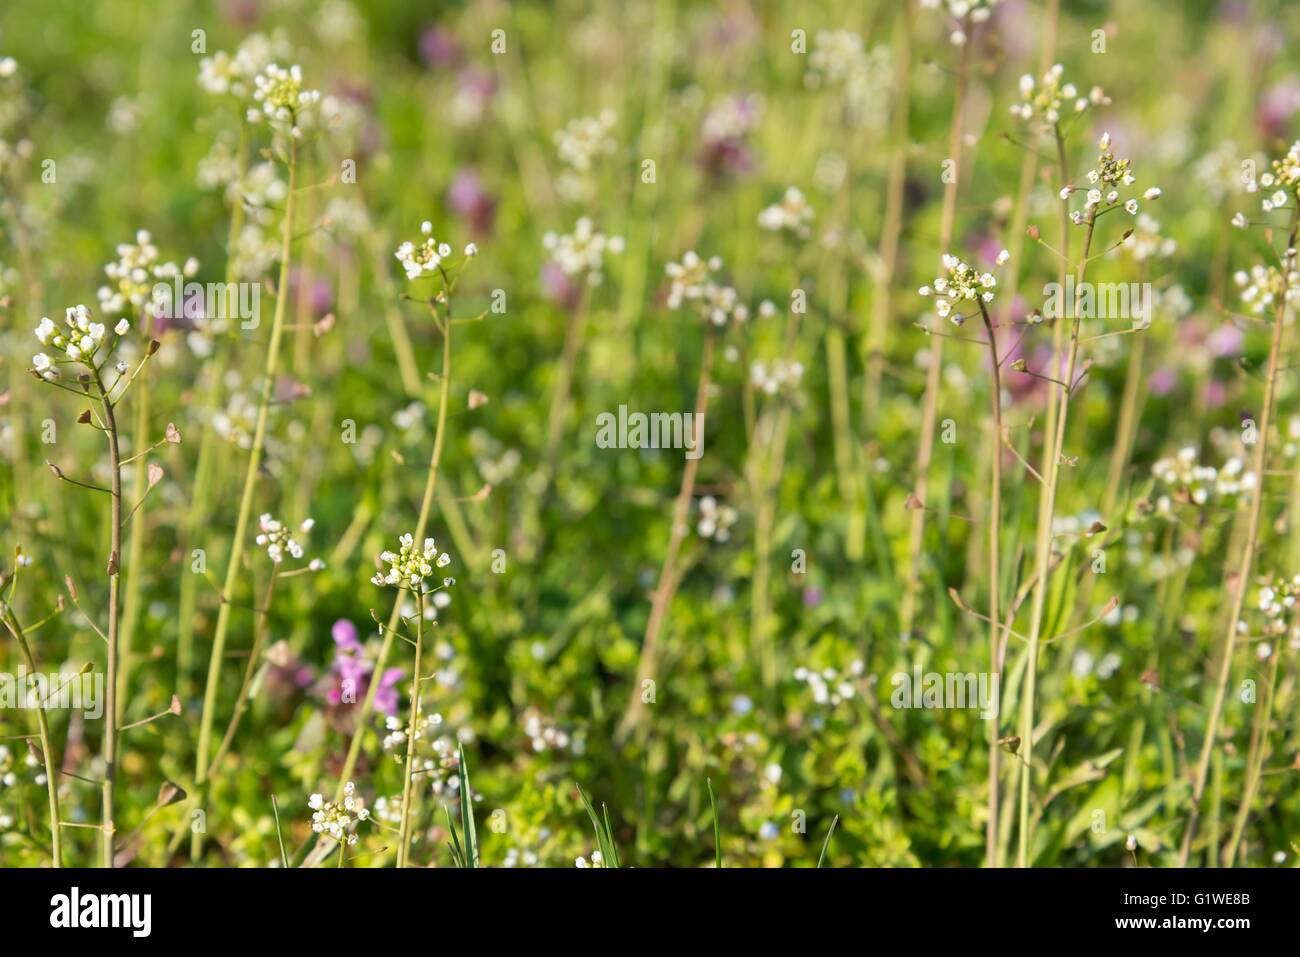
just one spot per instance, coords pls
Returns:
(956, 289)
(1103, 197)
(83, 343)
(1282, 302)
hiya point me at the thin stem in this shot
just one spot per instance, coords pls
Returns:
(47, 753)
(995, 565)
(235, 560)
(933, 382)
(404, 838)
(892, 228)
(1245, 564)
(1254, 761)
(668, 573)
(426, 505)
(250, 669)
(1043, 552)
(135, 546)
(109, 744)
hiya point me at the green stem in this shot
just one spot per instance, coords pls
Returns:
(1245, 564)
(404, 840)
(47, 754)
(1043, 550)
(426, 505)
(235, 562)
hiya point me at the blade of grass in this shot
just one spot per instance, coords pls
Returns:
(470, 852)
(827, 843)
(717, 831)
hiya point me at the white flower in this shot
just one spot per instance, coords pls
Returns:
(692, 282)
(426, 257)
(122, 327)
(277, 539)
(409, 565)
(582, 252)
(793, 214)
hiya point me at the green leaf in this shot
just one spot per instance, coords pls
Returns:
(470, 853)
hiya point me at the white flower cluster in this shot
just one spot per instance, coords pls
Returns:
(280, 101)
(731, 119)
(582, 252)
(222, 73)
(692, 282)
(585, 139)
(426, 258)
(409, 566)
(543, 733)
(778, 375)
(80, 342)
(1104, 181)
(395, 740)
(839, 59)
(1220, 172)
(596, 861)
(715, 520)
(337, 821)
(828, 686)
(1145, 242)
(277, 538)
(1201, 483)
(1285, 177)
(1263, 286)
(977, 10)
(963, 283)
(134, 273)
(1045, 99)
(1277, 603)
(793, 214)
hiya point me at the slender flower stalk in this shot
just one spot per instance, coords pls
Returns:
(995, 566)
(441, 310)
(204, 469)
(109, 744)
(693, 287)
(235, 562)
(892, 228)
(933, 373)
(1259, 731)
(668, 573)
(955, 290)
(408, 775)
(1042, 554)
(1246, 561)
(43, 733)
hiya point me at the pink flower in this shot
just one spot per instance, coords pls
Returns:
(1163, 381)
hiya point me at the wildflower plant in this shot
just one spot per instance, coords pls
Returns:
(83, 350)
